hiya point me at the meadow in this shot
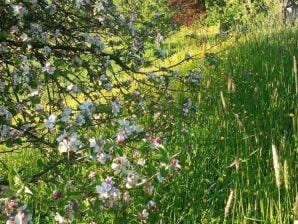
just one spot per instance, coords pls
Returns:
(237, 145)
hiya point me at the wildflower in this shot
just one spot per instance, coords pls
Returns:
(126, 197)
(149, 189)
(47, 50)
(19, 10)
(80, 119)
(93, 144)
(141, 162)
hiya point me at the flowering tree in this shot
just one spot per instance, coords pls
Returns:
(79, 84)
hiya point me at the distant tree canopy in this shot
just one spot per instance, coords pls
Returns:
(189, 11)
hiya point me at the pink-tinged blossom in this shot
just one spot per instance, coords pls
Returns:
(22, 218)
(175, 164)
(155, 142)
(120, 138)
(57, 195)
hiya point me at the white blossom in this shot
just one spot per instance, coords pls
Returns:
(50, 122)
(48, 68)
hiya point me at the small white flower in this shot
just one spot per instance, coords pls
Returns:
(73, 88)
(103, 157)
(120, 164)
(132, 179)
(141, 162)
(47, 50)
(24, 37)
(34, 93)
(26, 70)
(115, 108)
(48, 68)
(19, 10)
(66, 114)
(50, 122)
(58, 218)
(80, 119)
(69, 144)
(144, 214)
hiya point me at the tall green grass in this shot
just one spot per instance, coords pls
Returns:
(246, 103)
(228, 145)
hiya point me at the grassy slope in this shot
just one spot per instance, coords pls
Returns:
(261, 110)
(264, 102)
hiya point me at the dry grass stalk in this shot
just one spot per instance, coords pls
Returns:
(223, 102)
(276, 166)
(231, 85)
(229, 204)
(286, 174)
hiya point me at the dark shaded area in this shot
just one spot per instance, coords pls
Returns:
(188, 11)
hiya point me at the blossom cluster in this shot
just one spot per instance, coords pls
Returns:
(15, 212)
(68, 88)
